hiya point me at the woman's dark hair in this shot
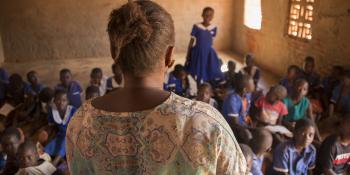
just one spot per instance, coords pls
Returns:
(139, 33)
(206, 9)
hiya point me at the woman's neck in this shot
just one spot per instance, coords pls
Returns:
(146, 82)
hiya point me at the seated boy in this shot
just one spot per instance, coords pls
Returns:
(182, 83)
(10, 141)
(237, 104)
(297, 156)
(205, 93)
(248, 154)
(334, 153)
(260, 143)
(30, 163)
(92, 92)
(271, 110)
(97, 79)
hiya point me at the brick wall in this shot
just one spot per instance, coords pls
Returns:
(274, 50)
(64, 29)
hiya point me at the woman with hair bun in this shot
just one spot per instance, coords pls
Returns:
(141, 129)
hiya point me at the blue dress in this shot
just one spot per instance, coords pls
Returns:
(204, 64)
(57, 147)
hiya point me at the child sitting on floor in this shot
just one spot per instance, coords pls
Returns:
(293, 74)
(59, 116)
(298, 104)
(34, 87)
(92, 92)
(340, 100)
(10, 141)
(248, 154)
(310, 75)
(16, 90)
(97, 79)
(115, 81)
(30, 162)
(260, 143)
(251, 69)
(205, 93)
(72, 87)
(182, 83)
(297, 156)
(271, 109)
(236, 105)
(231, 75)
(334, 153)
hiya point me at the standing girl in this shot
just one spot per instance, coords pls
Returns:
(202, 61)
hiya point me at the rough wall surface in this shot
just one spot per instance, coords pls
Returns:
(49, 29)
(274, 50)
(2, 57)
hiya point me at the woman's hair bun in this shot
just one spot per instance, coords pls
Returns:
(129, 23)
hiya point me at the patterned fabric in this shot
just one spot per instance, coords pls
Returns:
(179, 136)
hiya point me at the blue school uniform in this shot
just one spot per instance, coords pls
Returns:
(342, 101)
(34, 91)
(235, 106)
(287, 84)
(57, 147)
(287, 159)
(4, 75)
(73, 92)
(204, 64)
(257, 165)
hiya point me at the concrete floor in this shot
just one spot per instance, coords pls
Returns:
(48, 70)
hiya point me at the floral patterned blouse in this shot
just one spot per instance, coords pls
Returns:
(179, 136)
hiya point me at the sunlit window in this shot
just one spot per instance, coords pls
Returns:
(300, 18)
(252, 14)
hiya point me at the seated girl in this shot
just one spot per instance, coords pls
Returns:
(205, 93)
(59, 116)
(293, 74)
(97, 79)
(34, 87)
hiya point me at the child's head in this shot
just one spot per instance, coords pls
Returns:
(261, 141)
(65, 77)
(344, 129)
(10, 141)
(346, 78)
(204, 92)
(16, 83)
(208, 15)
(249, 60)
(248, 155)
(179, 72)
(245, 84)
(96, 76)
(231, 65)
(116, 69)
(309, 64)
(337, 72)
(92, 92)
(142, 37)
(293, 72)
(46, 95)
(304, 132)
(27, 155)
(301, 87)
(276, 93)
(32, 77)
(61, 99)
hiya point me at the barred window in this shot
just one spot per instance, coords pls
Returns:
(300, 19)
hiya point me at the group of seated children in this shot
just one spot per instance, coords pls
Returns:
(280, 132)
(34, 119)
